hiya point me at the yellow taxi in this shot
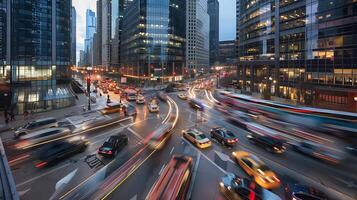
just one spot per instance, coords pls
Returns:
(256, 168)
(197, 138)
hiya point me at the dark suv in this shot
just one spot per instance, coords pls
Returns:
(269, 143)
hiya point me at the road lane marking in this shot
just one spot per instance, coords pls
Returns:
(42, 175)
(172, 150)
(162, 169)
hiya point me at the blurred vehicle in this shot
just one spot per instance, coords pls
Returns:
(157, 138)
(302, 192)
(41, 136)
(237, 188)
(197, 138)
(256, 168)
(174, 181)
(224, 136)
(269, 143)
(105, 91)
(140, 99)
(56, 151)
(318, 151)
(131, 95)
(196, 104)
(153, 107)
(162, 96)
(36, 125)
(182, 96)
(129, 110)
(112, 108)
(113, 145)
(352, 149)
(117, 91)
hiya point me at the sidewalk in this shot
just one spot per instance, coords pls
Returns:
(58, 114)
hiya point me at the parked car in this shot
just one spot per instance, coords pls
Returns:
(224, 136)
(269, 143)
(36, 125)
(234, 187)
(303, 192)
(56, 151)
(113, 145)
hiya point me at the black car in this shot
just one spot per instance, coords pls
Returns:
(162, 96)
(269, 143)
(237, 188)
(303, 192)
(113, 145)
(59, 150)
(224, 136)
(196, 104)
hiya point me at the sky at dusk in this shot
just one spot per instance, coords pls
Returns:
(226, 18)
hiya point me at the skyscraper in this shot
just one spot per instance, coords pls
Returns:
(97, 54)
(73, 35)
(106, 32)
(213, 12)
(36, 62)
(300, 50)
(90, 30)
(197, 35)
(153, 48)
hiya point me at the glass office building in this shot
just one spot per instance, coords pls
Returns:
(300, 50)
(153, 40)
(34, 71)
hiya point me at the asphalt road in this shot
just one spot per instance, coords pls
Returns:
(209, 164)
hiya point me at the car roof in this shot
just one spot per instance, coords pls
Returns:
(42, 132)
(195, 131)
(43, 119)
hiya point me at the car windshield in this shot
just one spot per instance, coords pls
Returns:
(107, 145)
(229, 134)
(200, 137)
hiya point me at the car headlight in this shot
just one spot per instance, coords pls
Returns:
(221, 184)
(229, 187)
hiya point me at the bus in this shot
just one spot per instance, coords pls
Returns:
(174, 181)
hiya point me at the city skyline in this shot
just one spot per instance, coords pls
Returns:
(226, 30)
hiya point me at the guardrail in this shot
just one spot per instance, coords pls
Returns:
(7, 183)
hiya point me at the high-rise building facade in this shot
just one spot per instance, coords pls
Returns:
(227, 53)
(35, 67)
(153, 47)
(73, 35)
(197, 35)
(213, 12)
(300, 50)
(97, 38)
(237, 27)
(88, 42)
(106, 33)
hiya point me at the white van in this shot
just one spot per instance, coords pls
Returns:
(36, 125)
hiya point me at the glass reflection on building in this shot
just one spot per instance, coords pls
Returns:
(302, 51)
(153, 39)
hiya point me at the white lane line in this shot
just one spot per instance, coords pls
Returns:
(135, 197)
(42, 175)
(135, 133)
(172, 150)
(162, 169)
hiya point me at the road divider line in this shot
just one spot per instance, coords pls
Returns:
(172, 150)
(162, 169)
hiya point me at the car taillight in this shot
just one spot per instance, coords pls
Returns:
(41, 164)
(109, 152)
